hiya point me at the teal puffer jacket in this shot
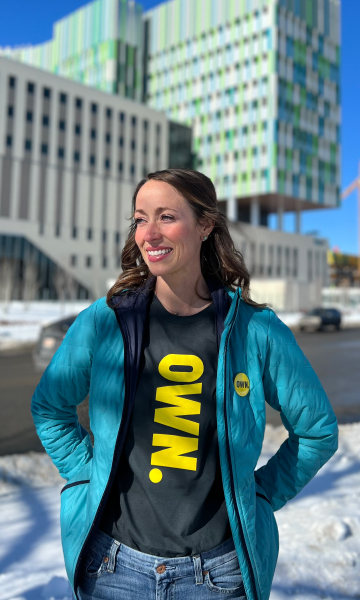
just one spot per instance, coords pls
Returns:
(99, 356)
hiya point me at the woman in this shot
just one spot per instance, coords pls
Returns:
(178, 362)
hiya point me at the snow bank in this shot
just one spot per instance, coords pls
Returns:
(21, 322)
(319, 529)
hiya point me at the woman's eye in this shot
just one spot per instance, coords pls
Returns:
(138, 220)
(167, 217)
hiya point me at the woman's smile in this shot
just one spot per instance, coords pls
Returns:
(155, 255)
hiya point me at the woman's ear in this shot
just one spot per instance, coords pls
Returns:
(206, 226)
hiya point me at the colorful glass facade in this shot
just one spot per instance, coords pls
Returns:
(98, 45)
(258, 80)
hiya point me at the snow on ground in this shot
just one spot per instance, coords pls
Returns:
(20, 322)
(319, 529)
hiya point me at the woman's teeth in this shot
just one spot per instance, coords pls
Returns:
(158, 252)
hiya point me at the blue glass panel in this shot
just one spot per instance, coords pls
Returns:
(321, 126)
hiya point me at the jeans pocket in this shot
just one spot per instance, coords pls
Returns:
(225, 578)
(95, 565)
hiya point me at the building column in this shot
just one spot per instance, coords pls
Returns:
(298, 221)
(280, 212)
(232, 213)
(255, 212)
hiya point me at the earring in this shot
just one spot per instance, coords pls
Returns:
(205, 237)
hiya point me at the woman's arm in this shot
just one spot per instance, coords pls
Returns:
(65, 384)
(293, 388)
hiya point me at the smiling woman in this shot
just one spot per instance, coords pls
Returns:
(178, 239)
(178, 362)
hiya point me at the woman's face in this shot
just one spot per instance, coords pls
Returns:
(167, 233)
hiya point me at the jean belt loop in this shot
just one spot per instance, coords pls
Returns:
(198, 569)
(112, 556)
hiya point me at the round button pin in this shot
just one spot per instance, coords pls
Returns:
(241, 384)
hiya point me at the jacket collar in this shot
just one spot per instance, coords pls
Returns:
(132, 308)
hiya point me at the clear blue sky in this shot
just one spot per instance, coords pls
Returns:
(30, 21)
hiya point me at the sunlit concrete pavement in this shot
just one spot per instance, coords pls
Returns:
(335, 356)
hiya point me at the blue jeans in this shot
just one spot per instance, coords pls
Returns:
(112, 571)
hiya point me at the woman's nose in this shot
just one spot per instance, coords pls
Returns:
(152, 232)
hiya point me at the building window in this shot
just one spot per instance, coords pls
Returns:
(89, 233)
(132, 170)
(145, 125)
(88, 261)
(108, 138)
(73, 260)
(107, 163)
(121, 142)
(270, 261)
(28, 145)
(121, 116)
(92, 160)
(120, 167)
(145, 149)
(45, 120)
(29, 116)
(104, 236)
(75, 232)
(295, 262)
(287, 255)
(279, 261)
(105, 262)
(76, 156)
(93, 134)
(57, 230)
(117, 237)
(10, 111)
(9, 141)
(30, 88)
(62, 125)
(134, 121)
(44, 148)
(61, 152)
(12, 81)
(78, 102)
(46, 93)
(77, 130)
(94, 108)
(309, 265)
(109, 113)
(62, 98)
(133, 144)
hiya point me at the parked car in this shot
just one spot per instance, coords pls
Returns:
(319, 319)
(49, 341)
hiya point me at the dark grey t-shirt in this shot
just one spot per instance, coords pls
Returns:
(168, 497)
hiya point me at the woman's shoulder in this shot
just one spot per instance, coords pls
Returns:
(265, 319)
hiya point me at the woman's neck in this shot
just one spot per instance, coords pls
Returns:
(181, 297)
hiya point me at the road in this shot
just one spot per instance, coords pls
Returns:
(335, 356)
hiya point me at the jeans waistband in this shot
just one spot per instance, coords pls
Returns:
(160, 566)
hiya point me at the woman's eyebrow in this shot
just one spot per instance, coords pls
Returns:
(157, 210)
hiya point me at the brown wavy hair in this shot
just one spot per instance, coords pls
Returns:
(219, 258)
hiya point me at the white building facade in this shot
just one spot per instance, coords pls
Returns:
(70, 159)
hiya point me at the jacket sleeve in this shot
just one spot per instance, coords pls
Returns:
(293, 388)
(65, 384)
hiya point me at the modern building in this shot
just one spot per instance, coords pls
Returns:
(256, 80)
(70, 158)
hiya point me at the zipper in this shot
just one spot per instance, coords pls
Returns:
(233, 494)
(69, 485)
(117, 452)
